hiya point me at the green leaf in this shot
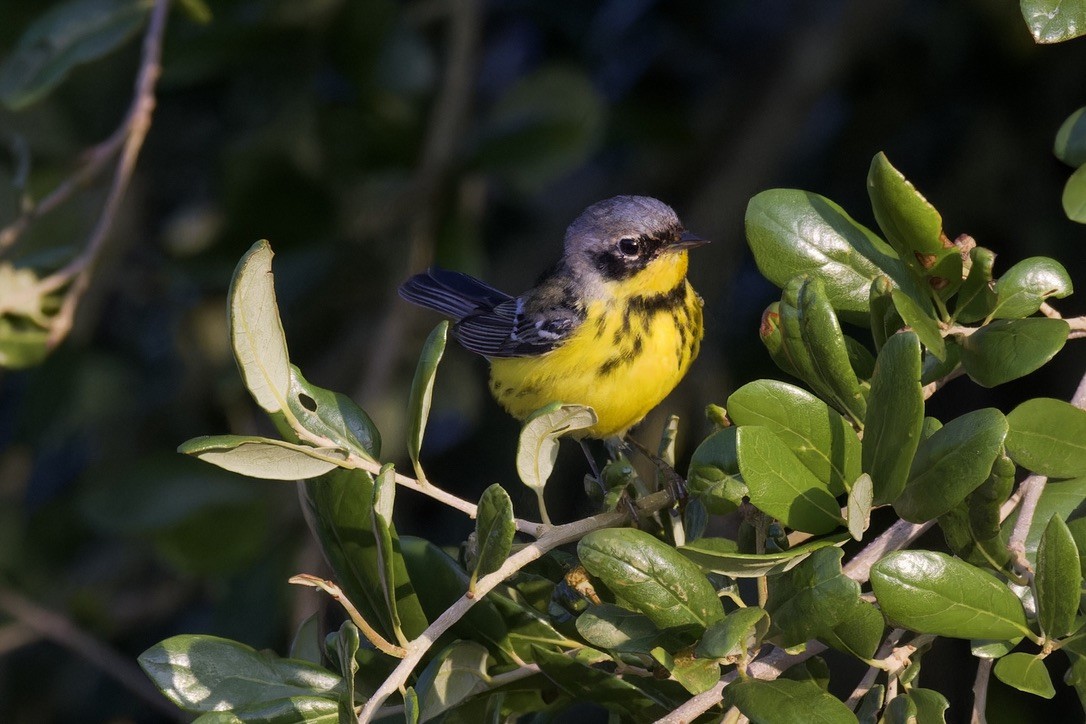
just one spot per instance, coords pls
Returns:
(783, 700)
(929, 705)
(859, 506)
(451, 677)
(1074, 196)
(66, 36)
(651, 576)
(772, 336)
(289, 710)
(972, 528)
(793, 233)
(859, 633)
(1070, 145)
(22, 344)
(347, 643)
(1025, 672)
(613, 628)
(333, 416)
(538, 446)
(256, 332)
(781, 486)
(911, 224)
(1060, 498)
(921, 318)
(384, 498)
(494, 531)
(815, 345)
(1011, 348)
(1053, 21)
(1026, 285)
(811, 599)
(197, 10)
(582, 682)
(262, 457)
(819, 437)
(884, 318)
(338, 509)
(713, 477)
(951, 464)
(871, 704)
(721, 555)
(989, 649)
(739, 634)
(411, 706)
(307, 644)
(422, 392)
(895, 415)
(1048, 437)
(695, 675)
(933, 593)
(977, 298)
(202, 673)
(1058, 582)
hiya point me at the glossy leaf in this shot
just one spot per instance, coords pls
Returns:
(614, 628)
(793, 232)
(1058, 582)
(289, 710)
(66, 36)
(895, 415)
(262, 457)
(1053, 21)
(256, 332)
(307, 644)
(422, 392)
(772, 336)
(1070, 145)
(1048, 437)
(1026, 285)
(740, 632)
(651, 576)
(971, 529)
(911, 224)
(884, 318)
(921, 319)
(333, 416)
(1025, 672)
(452, 676)
(930, 705)
(721, 555)
(494, 531)
(859, 506)
(384, 496)
(977, 298)
(783, 700)
(538, 447)
(859, 633)
(811, 599)
(931, 592)
(819, 437)
(951, 464)
(816, 346)
(1011, 348)
(201, 673)
(781, 486)
(713, 476)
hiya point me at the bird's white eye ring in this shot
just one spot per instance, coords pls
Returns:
(629, 247)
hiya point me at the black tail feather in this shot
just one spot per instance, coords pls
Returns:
(451, 293)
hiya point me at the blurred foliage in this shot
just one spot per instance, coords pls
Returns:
(361, 138)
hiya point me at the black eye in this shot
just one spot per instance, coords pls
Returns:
(629, 247)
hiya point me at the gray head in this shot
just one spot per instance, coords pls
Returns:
(617, 238)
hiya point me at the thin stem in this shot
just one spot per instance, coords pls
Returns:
(873, 672)
(371, 634)
(554, 537)
(980, 691)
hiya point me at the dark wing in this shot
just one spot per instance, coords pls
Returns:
(509, 331)
(452, 293)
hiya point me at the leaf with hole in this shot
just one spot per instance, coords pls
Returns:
(333, 416)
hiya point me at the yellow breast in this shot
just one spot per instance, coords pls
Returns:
(622, 361)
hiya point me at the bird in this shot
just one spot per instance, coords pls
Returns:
(613, 325)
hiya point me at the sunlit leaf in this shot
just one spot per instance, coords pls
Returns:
(1053, 21)
(1058, 583)
(1026, 285)
(453, 675)
(262, 457)
(1074, 196)
(1011, 348)
(1048, 437)
(1025, 672)
(895, 415)
(333, 416)
(811, 599)
(538, 447)
(256, 332)
(783, 700)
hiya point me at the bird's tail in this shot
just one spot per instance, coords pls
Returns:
(451, 293)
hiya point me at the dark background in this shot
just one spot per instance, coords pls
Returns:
(367, 140)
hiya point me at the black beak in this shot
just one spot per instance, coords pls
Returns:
(688, 241)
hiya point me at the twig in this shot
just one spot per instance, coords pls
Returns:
(77, 272)
(553, 538)
(980, 691)
(873, 672)
(371, 634)
(61, 630)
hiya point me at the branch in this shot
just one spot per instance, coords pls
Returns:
(557, 536)
(77, 273)
(980, 691)
(61, 630)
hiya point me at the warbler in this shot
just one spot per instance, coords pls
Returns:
(614, 325)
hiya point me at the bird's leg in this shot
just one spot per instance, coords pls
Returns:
(675, 483)
(625, 497)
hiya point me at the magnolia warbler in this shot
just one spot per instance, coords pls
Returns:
(614, 325)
